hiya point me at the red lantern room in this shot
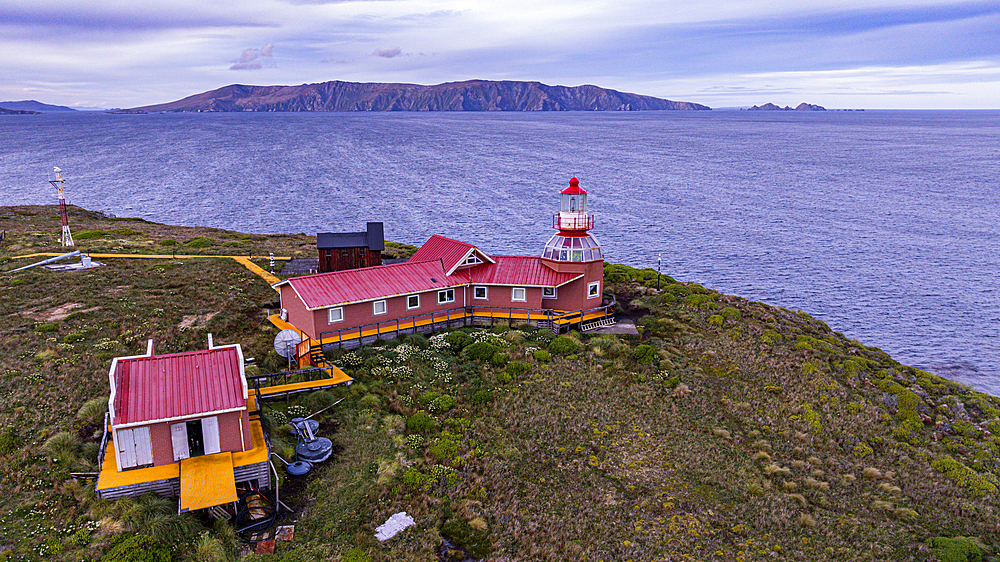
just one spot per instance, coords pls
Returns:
(573, 243)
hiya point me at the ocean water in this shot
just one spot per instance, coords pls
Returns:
(885, 224)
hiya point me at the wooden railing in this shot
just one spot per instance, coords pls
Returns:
(437, 320)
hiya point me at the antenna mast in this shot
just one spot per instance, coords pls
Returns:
(67, 237)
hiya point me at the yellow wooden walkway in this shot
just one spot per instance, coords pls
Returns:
(337, 377)
(242, 260)
(558, 318)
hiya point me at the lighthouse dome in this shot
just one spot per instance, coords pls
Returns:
(575, 247)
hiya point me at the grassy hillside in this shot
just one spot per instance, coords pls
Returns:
(730, 430)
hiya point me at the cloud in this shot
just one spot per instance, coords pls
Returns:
(388, 52)
(255, 59)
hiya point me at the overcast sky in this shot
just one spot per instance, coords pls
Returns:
(920, 54)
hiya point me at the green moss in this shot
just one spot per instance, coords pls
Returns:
(963, 476)
(89, 234)
(420, 422)
(957, 549)
(47, 327)
(199, 242)
(645, 354)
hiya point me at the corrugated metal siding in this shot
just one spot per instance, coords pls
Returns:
(519, 270)
(357, 285)
(447, 250)
(177, 385)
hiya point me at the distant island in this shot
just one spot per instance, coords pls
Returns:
(472, 95)
(800, 107)
(31, 106)
(5, 111)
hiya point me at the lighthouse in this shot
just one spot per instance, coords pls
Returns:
(573, 242)
(573, 249)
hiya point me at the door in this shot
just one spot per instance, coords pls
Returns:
(143, 446)
(179, 438)
(210, 435)
(134, 447)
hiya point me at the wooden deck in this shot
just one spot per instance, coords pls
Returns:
(109, 478)
(557, 318)
(337, 378)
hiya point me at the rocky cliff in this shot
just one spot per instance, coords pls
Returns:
(473, 95)
(801, 107)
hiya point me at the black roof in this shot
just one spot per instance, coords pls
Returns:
(373, 238)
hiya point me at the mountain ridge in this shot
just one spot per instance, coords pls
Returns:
(470, 95)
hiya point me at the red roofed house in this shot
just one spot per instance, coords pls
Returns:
(179, 417)
(448, 281)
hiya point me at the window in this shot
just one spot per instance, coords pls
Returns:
(518, 294)
(446, 296)
(472, 260)
(548, 292)
(412, 301)
(479, 293)
(378, 307)
(594, 290)
(336, 314)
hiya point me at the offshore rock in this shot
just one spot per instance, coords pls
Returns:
(472, 95)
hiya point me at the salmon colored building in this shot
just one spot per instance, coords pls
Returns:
(448, 281)
(180, 425)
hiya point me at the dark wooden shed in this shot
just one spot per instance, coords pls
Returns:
(350, 250)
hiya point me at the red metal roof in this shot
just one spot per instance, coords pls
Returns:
(369, 283)
(162, 387)
(449, 251)
(574, 188)
(519, 270)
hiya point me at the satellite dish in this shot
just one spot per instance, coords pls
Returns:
(286, 341)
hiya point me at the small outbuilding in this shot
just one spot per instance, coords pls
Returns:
(180, 425)
(350, 250)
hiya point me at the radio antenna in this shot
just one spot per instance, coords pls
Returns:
(67, 237)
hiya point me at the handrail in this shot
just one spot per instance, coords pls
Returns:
(507, 312)
(104, 442)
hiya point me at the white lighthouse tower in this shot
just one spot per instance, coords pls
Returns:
(574, 250)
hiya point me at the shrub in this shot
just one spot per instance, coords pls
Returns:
(442, 404)
(47, 327)
(480, 351)
(542, 355)
(316, 401)
(499, 359)
(518, 368)
(63, 446)
(564, 345)
(138, 548)
(458, 340)
(482, 396)
(428, 397)
(644, 354)
(421, 422)
(92, 411)
(504, 378)
(89, 234)
(956, 549)
(125, 232)
(199, 242)
(73, 338)
(444, 449)
(168, 242)
(10, 441)
(370, 402)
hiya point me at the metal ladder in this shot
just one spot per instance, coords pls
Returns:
(600, 323)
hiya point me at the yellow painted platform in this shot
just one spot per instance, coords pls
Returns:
(337, 377)
(207, 481)
(110, 477)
